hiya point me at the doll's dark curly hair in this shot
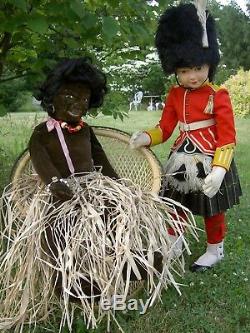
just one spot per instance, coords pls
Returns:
(73, 70)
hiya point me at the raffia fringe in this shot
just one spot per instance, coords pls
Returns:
(86, 247)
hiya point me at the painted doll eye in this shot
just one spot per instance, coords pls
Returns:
(69, 98)
(183, 71)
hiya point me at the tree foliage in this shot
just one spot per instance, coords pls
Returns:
(233, 27)
(34, 34)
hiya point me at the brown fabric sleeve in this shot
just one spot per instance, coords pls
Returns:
(40, 157)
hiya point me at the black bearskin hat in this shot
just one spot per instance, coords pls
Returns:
(179, 40)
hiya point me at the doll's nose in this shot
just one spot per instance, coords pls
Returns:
(192, 75)
(79, 105)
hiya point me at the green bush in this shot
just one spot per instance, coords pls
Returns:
(14, 97)
(115, 104)
(239, 88)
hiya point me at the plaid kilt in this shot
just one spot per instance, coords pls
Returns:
(200, 204)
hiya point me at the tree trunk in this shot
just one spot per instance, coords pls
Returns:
(5, 46)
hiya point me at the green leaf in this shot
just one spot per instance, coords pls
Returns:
(89, 21)
(77, 8)
(72, 43)
(110, 27)
(38, 24)
(15, 22)
(106, 112)
(141, 33)
(21, 4)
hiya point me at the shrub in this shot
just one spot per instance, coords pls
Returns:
(115, 104)
(239, 88)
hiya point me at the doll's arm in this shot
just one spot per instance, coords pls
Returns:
(41, 159)
(100, 158)
(225, 128)
(223, 156)
(46, 169)
(212, 182)
(162, 131)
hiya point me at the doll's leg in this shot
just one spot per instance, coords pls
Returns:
(215, 229)
(50, 246)
(172, 231)
(175, 239)
(85, 288)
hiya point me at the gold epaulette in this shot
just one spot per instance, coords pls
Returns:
(215, 87)
(223, 156)
(155, 135)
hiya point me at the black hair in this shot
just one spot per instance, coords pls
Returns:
(73, 70)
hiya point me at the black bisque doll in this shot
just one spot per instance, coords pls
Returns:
(64, 144)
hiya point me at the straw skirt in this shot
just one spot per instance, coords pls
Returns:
(87, 249)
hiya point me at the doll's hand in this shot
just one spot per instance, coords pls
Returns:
(60, 190)
(139, 139)
(213, 181)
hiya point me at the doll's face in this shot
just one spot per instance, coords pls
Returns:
(192, 77)
(71, 102)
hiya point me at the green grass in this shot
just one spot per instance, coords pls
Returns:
(211, 302)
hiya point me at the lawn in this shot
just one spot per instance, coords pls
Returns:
(211, 302)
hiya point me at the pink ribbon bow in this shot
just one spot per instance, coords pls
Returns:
(51, 124)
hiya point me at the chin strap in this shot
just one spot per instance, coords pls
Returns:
(51, 124)
(180, 85)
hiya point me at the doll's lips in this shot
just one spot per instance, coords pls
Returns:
(75, 113)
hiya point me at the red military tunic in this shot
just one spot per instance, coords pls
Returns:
(188, 106)
(206, 119)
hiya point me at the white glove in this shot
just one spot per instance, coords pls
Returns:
(139, 139)
(213, 181)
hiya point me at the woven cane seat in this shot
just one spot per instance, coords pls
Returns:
(139, 165)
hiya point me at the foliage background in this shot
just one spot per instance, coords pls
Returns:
(239, 88)
(118, 35)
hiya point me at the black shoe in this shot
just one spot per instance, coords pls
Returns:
(199, 268)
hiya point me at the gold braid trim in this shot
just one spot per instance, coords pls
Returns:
(223, 156)
(155, 135)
